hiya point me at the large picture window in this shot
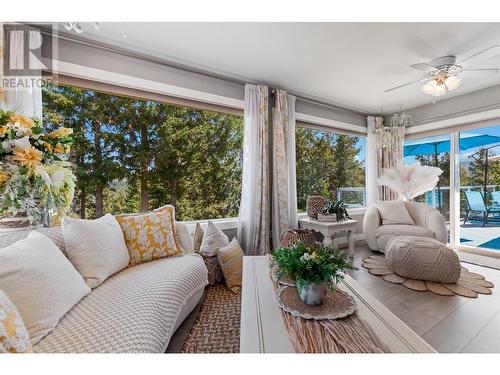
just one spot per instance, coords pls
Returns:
(331, 165)
(131, 154)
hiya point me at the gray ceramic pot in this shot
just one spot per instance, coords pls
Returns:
(312, 293)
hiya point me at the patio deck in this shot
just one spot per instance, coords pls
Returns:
(473, 234)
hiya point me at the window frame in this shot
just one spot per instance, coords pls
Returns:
(111, 89)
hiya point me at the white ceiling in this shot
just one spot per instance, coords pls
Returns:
(347, 64)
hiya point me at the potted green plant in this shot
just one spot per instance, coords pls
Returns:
(334, 211)
(314, 269)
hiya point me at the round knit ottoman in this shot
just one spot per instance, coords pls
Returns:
(422, 258)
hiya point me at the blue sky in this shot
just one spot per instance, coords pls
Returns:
(362, 154)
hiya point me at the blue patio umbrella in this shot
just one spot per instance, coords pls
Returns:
(434, 148)
(466, 143)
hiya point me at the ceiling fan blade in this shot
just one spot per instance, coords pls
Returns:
(481, 55)
(423, 67)
(408, 84)
(486, 72)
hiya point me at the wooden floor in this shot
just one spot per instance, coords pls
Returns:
(449, 324)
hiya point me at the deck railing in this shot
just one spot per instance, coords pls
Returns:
(356, 196)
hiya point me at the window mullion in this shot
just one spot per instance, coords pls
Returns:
(455, 188)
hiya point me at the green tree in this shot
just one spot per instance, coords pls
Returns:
(90, 114)
(326, 162)
(475, 171)
(132, 154)
(198, 163)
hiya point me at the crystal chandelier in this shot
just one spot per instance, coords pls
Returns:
(400, 119)
(384, 135)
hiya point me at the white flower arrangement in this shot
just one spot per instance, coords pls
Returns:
(35, 176)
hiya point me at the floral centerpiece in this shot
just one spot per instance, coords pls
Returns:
(314, 269)
(35, 176)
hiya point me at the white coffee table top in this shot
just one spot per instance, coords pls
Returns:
(262, 329)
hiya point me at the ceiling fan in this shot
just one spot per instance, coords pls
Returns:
(445, 74)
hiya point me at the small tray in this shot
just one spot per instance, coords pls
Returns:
(337, 305)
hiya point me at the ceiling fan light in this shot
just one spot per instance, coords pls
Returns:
(429, 88)
(440, 90)
(452, 82)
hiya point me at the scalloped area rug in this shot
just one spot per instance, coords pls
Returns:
(217, 327)
(469, 284)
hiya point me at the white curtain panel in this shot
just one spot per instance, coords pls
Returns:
(24, 99)
(253, 225)
(284, 200)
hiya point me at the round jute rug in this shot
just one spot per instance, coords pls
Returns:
(217, 327)
(469, 284)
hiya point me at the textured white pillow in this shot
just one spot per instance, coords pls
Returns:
(212, 239)
(394, 212)
(185, 240)
(96, 248)
(41, 282)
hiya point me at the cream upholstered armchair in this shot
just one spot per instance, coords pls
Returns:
(428, 222)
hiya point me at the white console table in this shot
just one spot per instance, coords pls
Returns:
(329, 230)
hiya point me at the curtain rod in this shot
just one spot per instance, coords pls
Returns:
(173, 64)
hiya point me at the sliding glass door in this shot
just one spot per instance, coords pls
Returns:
(479, 163)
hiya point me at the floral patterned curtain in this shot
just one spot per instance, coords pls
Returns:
(284, 180)
(253, 226)
(389, 141)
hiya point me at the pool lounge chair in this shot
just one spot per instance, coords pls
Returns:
(496, 199)
(475, 203)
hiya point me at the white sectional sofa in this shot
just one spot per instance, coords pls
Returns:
(136, 310)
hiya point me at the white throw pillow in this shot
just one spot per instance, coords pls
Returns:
(213, 239)
(185, 240)
(41, 282)
(394, 212)
(96, 248)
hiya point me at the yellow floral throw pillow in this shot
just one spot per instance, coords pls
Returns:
(14, 337)
(150, 235)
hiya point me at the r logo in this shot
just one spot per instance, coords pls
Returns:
(23, 46)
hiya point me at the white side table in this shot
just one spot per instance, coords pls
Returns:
(329, 230)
